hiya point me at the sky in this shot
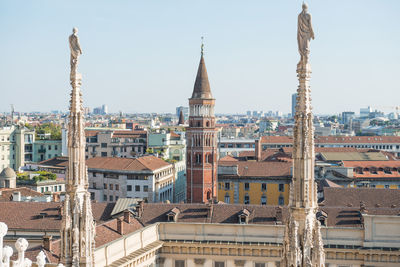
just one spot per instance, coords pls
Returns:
(142, 56)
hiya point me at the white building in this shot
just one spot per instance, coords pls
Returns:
(148, 177)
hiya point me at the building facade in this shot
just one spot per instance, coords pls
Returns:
(149, 178)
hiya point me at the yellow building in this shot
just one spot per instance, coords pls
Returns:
(254, 182)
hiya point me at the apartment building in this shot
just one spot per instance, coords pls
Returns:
(115, 143)
(16, 146)
(254, 182)
(147, 177)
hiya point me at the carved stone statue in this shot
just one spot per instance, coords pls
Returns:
(304, 34)
(75, 48)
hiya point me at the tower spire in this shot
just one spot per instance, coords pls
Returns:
(302, 242)
(201, 136)
(77, 230)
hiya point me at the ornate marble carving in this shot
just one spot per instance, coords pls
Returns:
(302, 241)
(78, 227)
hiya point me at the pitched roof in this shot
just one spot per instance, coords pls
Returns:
(228, 158)
(336, 139)
(205, 213)
(145, 163)
(27, 215)
(372, 163)
(345, 197)
(6, 193)
(202, 86)
(260, 168)
(353, 156)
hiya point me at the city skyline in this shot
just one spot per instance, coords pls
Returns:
(157, 62)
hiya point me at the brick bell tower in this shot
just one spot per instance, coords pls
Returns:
(201, 135)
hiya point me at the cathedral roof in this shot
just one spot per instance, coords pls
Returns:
(202, 86)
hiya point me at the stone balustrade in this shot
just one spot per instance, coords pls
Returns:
(21, 246)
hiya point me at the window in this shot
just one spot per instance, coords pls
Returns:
(117, 187)
(111, 198)
(105, 186)
(246, 199)
(386, 186)
(246, 186)
(179, 263)
(263, 187)
(227, 186)
(59, 188)
(111, 187)
(94, 185)
(129, 188)
(104, 154)
(94, 174)
(227, 198)
(198, 158)
(103, 145)
(145, 188)
(49, 147)
(137, 188)
(281, 201)
(281, 188)
(263, 200)
(104, 197)
(260, 265)
(219, 264)
(116, 198)
(55, 147)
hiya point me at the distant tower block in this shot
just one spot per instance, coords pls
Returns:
(201, 137)
(181, 118)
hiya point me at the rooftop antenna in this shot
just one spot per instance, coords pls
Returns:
(202, 45)
(12, 114)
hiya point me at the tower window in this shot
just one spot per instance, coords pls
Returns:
(198, 158)
(208, 124)
(198, 124)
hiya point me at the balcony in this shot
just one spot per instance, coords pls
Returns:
(41, 150)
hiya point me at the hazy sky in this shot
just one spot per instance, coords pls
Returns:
(142, 56)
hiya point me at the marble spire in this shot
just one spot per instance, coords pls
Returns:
(78, 227)
(302, 244)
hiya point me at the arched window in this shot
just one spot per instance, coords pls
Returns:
(198, 158)
(208, 194)
(208, 124)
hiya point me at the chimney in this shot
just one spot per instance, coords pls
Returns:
(56, 198)
(120, 226)
(127, 216)
(16, 196)
(278, 215)
(47, 242)
(257, 150)
(210, 208)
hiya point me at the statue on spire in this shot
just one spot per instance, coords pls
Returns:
(76, 50)
(304, 34)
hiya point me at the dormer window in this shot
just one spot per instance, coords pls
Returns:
(322, 217)
(244, 216)
(173, 214)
